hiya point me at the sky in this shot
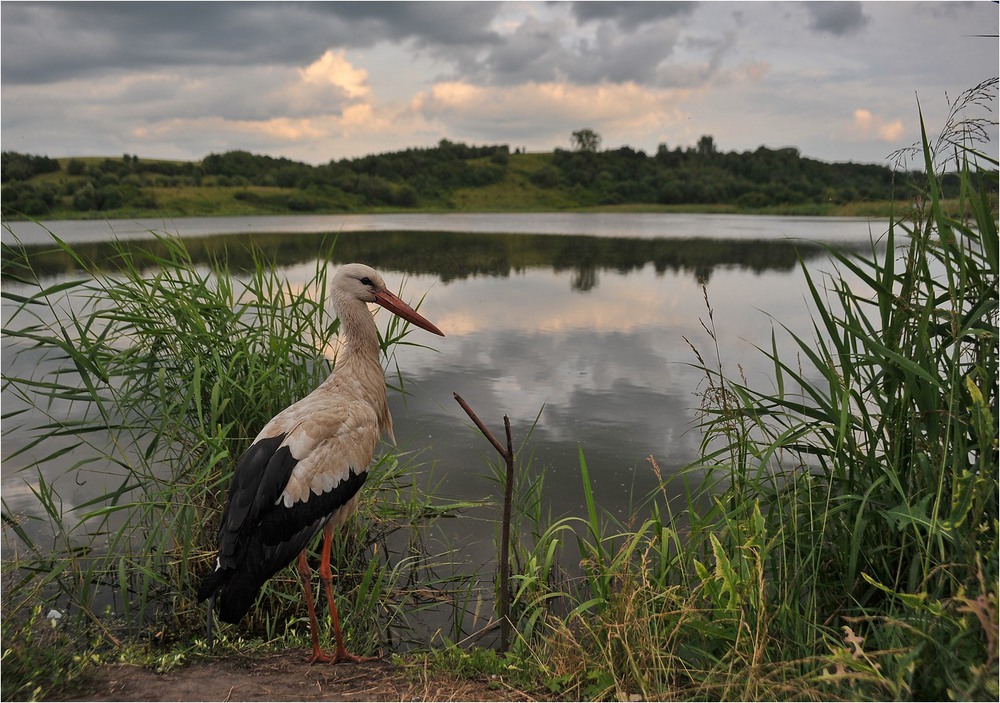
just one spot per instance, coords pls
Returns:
(316, 81)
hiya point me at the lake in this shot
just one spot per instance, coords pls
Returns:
(585, 321)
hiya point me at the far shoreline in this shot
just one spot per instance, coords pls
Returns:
(861, 209)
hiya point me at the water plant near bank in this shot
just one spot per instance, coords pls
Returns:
(154, 377)
(839, 538)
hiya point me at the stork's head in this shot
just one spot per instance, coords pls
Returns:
(361, 282)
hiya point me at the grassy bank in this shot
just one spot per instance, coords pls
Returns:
(171, 373)
(837, 539)
(249, 201)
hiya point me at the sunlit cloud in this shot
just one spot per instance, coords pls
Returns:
(866, 125)
(361, 115)
(333, 68)
(550, 108)
(756, 71)
(280, 128)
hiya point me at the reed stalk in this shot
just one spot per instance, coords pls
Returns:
(840, 538)
(158, 372)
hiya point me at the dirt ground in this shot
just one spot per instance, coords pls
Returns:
(287, 677)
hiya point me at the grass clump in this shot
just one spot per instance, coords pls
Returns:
(840, 534)
(164, 371)
(152, 376)
(40, 660)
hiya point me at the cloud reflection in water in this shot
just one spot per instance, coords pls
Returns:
(587, 331)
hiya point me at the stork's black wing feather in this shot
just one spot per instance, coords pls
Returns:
(259, 478)
(280, 524)
(259, 534)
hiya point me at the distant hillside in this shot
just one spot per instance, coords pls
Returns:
(450, 176)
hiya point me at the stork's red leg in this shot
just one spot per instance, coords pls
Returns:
(306, 577)
(326, 576)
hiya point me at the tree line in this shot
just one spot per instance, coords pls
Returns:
(428, 177)
(750, 179)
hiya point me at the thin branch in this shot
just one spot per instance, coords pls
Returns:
(482, 428)
(508, 498)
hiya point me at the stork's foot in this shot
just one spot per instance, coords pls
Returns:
(339, 657)
(345, 656)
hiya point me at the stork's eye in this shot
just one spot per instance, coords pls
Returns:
(367, 281)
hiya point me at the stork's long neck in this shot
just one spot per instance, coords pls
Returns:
(358, 370)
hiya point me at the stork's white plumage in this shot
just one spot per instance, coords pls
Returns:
(304, 471)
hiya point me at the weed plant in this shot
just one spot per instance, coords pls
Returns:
(53, 665)
(840, 538)
(158, 374)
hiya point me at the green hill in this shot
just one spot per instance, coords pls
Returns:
(449, 177)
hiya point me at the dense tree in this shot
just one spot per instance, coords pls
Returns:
(706, 145)
(21, 167)
(586, 140)
(31, 200)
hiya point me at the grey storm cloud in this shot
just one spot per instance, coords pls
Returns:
(629, 41)
(837, 18)
(47, 42)
(630, 15)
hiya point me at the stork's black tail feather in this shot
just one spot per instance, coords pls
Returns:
(233, 589)
(212, 582)
(236, 588)
(208, 621)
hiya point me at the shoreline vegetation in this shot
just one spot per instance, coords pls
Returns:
(455, 177)
(838, 537)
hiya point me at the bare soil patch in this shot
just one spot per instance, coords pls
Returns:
(288, 677)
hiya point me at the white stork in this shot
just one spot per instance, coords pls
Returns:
(303, 472)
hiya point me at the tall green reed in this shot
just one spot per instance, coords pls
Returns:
(874, 457)
(170, 369)
(840, 532)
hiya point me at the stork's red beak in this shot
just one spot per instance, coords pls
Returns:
(394, 304)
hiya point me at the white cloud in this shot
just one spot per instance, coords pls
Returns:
(275, 129)
(549, 110)
(333, 68)
(865, 125)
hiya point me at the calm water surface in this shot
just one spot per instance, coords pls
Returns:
(639, 225)
(583, 321)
